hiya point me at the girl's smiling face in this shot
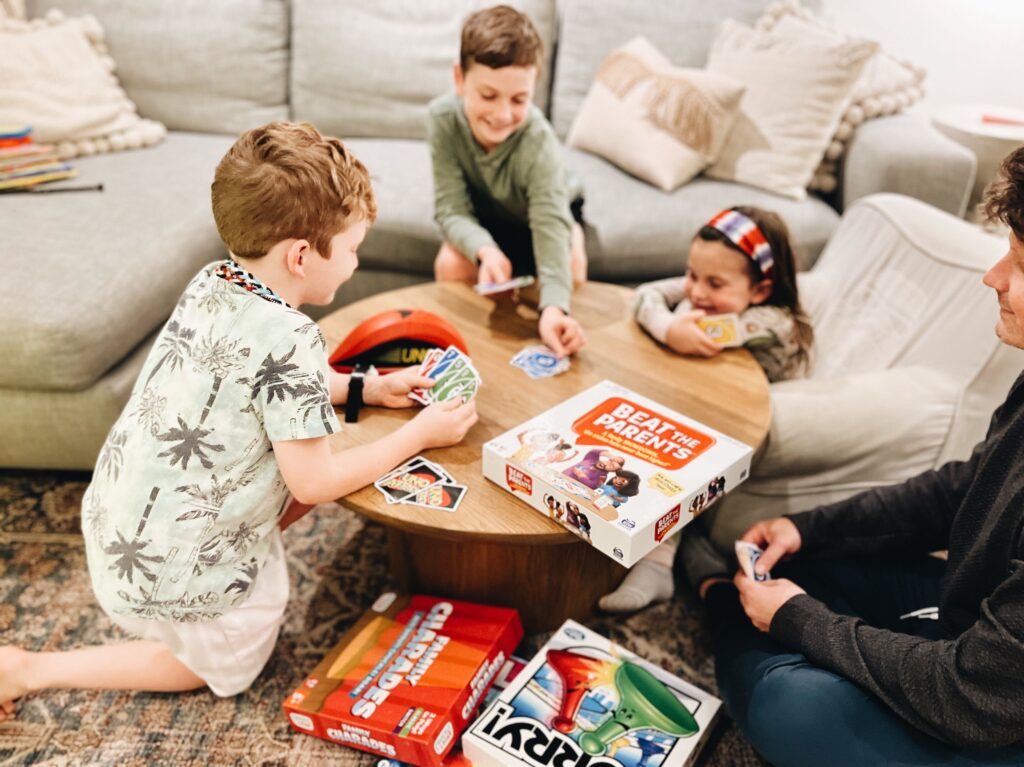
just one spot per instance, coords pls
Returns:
(718, 279)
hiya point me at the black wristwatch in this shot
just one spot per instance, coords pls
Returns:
(355, 394)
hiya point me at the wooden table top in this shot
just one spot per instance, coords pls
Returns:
(728, 392)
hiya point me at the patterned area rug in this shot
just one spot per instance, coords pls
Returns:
(338, 565)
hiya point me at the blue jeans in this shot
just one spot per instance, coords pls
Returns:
(795, 713)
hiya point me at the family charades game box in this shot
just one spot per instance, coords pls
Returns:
(407, 678)
(616, 468)
(583, 701)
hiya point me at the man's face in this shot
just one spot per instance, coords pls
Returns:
(1006, 277)
(496, 101)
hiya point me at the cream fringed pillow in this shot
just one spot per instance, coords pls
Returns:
(58, 78)
(659, 122)
(886, 86)
(796, 92)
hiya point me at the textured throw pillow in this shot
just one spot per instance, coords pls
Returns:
(796, 92)
(886, 86)
(662, 123)
(58, 78)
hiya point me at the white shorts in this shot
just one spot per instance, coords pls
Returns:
(228, 652)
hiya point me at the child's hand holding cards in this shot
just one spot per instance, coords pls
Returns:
(748, 554)
(453, 374)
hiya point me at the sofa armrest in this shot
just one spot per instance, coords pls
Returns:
(905, 154)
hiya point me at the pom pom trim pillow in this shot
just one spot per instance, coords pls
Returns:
(59, 80)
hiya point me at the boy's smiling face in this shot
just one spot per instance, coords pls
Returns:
(496, 101)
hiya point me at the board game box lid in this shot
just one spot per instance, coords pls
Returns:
(405, 680)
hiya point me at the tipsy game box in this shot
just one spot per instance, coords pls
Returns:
(616, 468)
(407, 678)
(583, 701)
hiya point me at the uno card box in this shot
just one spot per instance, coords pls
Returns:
(585, 702)
(616, 468)
(407, 678)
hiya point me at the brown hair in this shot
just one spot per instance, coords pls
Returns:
(783, 274)
(1004, 197)
(500, 37)
(286, 180)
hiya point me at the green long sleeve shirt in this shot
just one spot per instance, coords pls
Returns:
(525, 180)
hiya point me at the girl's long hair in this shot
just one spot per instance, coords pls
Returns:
(783, 276)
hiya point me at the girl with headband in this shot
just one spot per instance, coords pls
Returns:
(740, 262)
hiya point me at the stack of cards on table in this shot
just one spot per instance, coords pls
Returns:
(540, 362)
(421, 483)
(748, 554)
(453, 373)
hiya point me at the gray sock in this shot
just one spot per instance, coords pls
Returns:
(647, 582)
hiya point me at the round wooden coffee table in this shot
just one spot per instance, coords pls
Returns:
(494, 548)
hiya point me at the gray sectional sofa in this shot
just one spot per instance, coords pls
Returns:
(90, 277)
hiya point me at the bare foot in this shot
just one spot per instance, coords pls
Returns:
(13, 684)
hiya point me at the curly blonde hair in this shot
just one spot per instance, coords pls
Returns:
(286, 180)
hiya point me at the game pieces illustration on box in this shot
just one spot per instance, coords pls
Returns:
(453, 373)
(407, 678)
(583, 700)
(420, 482)
(616, 468)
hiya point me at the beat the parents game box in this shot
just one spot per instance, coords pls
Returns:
(407, 678)
(616, 468)
(583, 701)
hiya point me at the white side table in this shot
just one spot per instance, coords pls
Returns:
(990, 141)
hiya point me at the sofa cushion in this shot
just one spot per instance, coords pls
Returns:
(367, 68)
(405, 237)
(193, 65)
(97, 272)
(636, 232)
(682, 29)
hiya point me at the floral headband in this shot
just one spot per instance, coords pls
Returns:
(745, 235)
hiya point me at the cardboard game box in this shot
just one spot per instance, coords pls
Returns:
(407, 677)
(585, 702)
(616, 468)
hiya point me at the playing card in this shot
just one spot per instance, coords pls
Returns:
(450, 356)
(490, 288)
(723, 329)
(539, 362)
(445, 496)
(748, 554)
(407, 480)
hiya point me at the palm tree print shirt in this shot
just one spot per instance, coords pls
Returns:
(186, 490)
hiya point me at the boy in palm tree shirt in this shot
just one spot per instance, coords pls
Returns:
(231, 412)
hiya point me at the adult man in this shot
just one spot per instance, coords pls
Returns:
(843, 657)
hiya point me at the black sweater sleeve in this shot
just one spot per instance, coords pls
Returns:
(964, 691)
(913, 515)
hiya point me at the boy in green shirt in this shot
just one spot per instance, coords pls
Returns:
(504, 201)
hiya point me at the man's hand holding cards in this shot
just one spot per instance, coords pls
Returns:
(453, 375)
(747, 554)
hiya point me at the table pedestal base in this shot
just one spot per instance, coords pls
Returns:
(546, 583)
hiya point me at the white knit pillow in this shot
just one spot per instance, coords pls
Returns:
(59, 79)
(662, 123)
(797, 90)
(886, 86)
